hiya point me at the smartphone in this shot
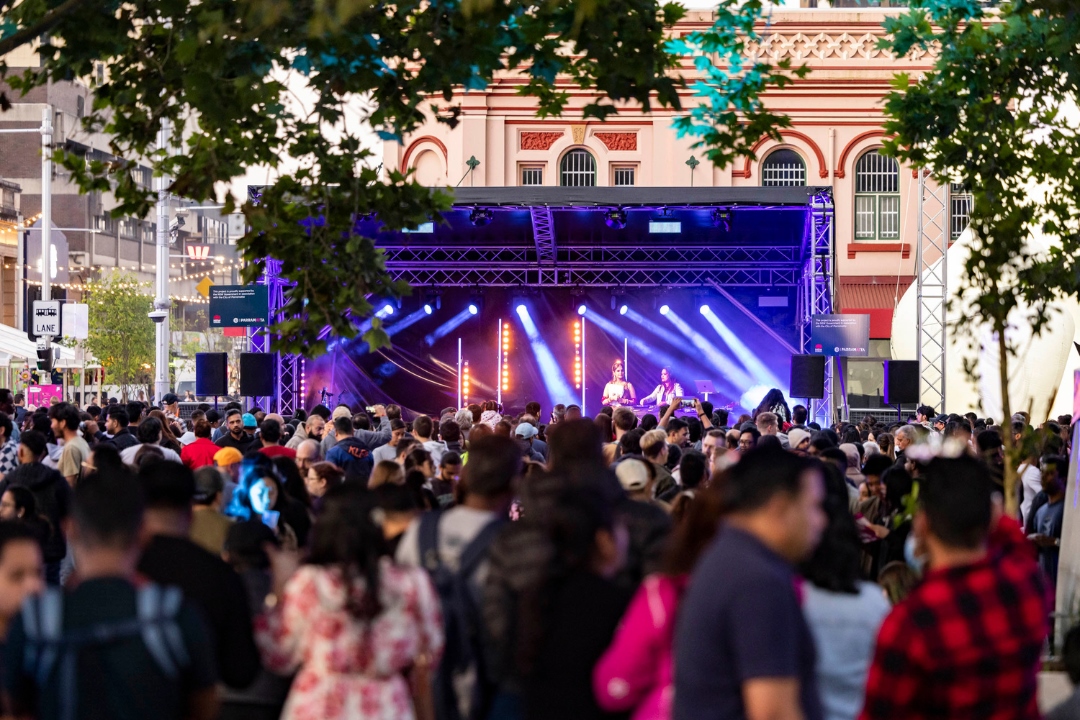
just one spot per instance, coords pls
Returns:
(370, 409)
(688, 403)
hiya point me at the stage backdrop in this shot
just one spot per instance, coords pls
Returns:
(722, 345)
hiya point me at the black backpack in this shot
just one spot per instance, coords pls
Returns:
(462, 623)
(50, 649)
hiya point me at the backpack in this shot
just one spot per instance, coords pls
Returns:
(50, 648)
(462, 658)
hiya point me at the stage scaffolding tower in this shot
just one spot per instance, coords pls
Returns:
(932, 290)
(817, 292)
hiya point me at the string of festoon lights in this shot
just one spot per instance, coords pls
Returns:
(125, 289)
(204, 268)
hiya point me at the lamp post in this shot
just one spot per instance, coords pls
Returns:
(161, 278)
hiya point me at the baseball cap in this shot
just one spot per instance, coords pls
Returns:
(944, 419)
(227, 456)
(796, 436)
(525, 430)
(341, 411)
(169, 399)
(208, 483)
(633, 474)
(249, 421)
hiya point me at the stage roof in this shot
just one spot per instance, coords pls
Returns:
(637, 196)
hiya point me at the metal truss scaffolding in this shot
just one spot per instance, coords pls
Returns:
(543, 233)
(818, 290)
(932, 290)
(288, 370)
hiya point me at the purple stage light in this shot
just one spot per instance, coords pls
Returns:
(664, 309)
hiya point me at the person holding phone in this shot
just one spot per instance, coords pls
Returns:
(666, 392)
(619, 392)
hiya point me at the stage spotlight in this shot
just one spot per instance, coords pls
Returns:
(521, 309)
(428, 309)
(581, 309)
(615, 219)
(704, 309)
(481, 217)
(664, 309)
(473, 309)
(722, 219)
(388, 309)
(623, 309)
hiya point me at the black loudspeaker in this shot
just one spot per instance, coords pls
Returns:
(257, 374)
(211, 374)
(901, 382)
(807, 376)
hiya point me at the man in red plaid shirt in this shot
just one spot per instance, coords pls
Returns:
(966, 643)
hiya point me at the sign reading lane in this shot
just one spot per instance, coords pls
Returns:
(239, 306)
(47, 318)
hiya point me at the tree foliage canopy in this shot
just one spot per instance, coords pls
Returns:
(120, 334)
(219, 69)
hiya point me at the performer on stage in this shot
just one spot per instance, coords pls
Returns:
(665, 392)
(618, 391)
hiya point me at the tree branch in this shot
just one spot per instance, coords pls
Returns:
(46, 23)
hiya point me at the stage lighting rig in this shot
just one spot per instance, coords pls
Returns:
(722, 218)
(481, 217)
(615, 219)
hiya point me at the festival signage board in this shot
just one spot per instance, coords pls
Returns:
(840, 335)
(239, 306)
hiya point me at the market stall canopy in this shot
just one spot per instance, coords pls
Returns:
(15, 347)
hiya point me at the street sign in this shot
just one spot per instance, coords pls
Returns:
(76, 320)
(47, 317)
(204, 287)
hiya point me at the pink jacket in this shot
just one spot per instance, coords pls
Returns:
(636, 671)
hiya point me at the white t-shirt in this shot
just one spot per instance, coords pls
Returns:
(128, 454)
(1031, 479)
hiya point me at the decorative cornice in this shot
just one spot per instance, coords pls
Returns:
(618, 141)
(845, 46)
(537, 140)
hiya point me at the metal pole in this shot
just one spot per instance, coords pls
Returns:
(20, 282)
(161, 284)
(46, 204)
(459, 404)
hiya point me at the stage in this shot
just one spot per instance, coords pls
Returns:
(739, 272)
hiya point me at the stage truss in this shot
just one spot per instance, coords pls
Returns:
(546, 264)
(932, 290)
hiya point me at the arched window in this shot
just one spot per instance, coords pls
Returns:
(783, 167)
(578, 169)
(877, 197)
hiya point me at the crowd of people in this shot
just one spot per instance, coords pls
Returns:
(478, 564)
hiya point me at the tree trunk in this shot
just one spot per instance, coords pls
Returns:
(1012, 504)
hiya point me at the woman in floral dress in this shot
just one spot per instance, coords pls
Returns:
(352, 646)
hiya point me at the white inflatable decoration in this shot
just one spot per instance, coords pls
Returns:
(1039, 373)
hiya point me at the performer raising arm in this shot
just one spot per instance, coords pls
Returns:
(618, 391)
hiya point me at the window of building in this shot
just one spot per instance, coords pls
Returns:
(532, 176)
(578, 169)
(625, 176)
(129, 228)
(959, 210)
(877, 197)
(783, 168)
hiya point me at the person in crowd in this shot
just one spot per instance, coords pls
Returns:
(350, 621)
(270, 440)
(799, 414)
(423, 430)
(775, 403)
(52, 495)
(169, 437)
(748, 437)
(310, 429)
(292, 481)
(235, 435)
(209, 526)
(844, 612)
(267, 499)
(619, 391)
(897, 580)
(1028, 471)
(386, 473)
(799, 439)
(117, 670)
(320, 479)
(17, 503)
(665, 392)
(329, 437)
(389, 450)
(768, 424)
(200, 452)
(352, 449)
(116, 425)
(228, 460)
(398, 509)
(903, 438)
(454, 544)
(743, 648)
(1047, 514)
(21, 570)
(307, 454)
(9, 446)
(678, 432)
(525, 434)
(638, 480)
(635, 673)
(623, 421)
(169, 557)
(64, 420)
(654, 448)
(149, 434)
(693, 471)
(966, 643)
(445, 484)
(570, 616)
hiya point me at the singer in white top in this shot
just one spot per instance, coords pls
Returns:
(665, 392)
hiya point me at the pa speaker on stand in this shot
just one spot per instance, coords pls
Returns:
(258, 374)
